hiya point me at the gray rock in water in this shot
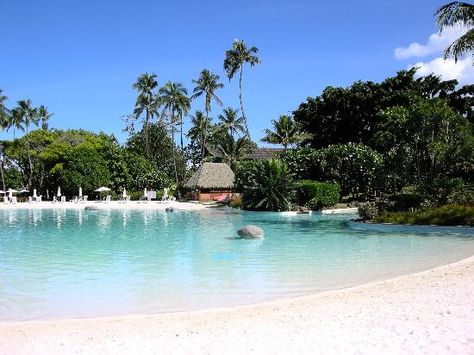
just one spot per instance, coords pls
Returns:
(91, 208)
(169, 209)
(250, 232)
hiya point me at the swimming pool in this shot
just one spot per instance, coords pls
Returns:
(72, 263)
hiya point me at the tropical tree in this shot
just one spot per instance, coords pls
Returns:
(4, 112)
(285, 132)
(234, 61)
(270, 188)
(176, 104)
(22, 117)
(44, 116)
(230, 151)
(207, 84)
(231, 122)
(453, 13)
(200, 131)
(146, 102)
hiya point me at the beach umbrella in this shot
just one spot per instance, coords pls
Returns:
(23, 191)
(124, 193)
(2, 192)
(59, 191)
(145, 192)
(80, 191)
(34, 193)
(102, 189)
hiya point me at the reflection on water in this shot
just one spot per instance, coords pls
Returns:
(76, 263)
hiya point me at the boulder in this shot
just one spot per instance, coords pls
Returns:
(250, 232)
(91, 208)
(169, 209)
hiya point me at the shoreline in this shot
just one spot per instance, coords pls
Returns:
(431, 310)
(135, 205)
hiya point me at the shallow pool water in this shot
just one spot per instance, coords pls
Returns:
(74, 263)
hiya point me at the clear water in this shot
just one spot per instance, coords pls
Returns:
(71, 263)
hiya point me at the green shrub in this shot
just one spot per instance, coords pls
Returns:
(270, 187)
(448, 215)
(236, 202)
(316, 195)
(368, 210)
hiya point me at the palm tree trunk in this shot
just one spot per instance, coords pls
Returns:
(147, 139)
(247, 133)
(4, 187)
(173, 151)
(181, 130)
(30, 175)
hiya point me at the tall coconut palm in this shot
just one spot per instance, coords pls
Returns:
(173, 97)
(23, 116)
(285, 132)
(200, 130)
(234, 61)
(4, 112)
(146, 102)
(453, 13)
(4, 121)
(207, 84)
(43, 117)
(231, 122)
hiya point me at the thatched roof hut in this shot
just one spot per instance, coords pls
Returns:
(212, 176)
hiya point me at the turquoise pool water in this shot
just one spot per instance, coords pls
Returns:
(74, 263)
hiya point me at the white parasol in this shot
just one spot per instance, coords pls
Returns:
(102, 189)
(59, 191)
(80, 191)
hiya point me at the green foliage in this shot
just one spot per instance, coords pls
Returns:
(447, 191)
(423, 142)
(368, 210)
(270, 187)
(448, 215)
(244, 173)
(355, 167)
(285, 132)
(317, 195)
(455, 13)
(85, 168)
(343, 115)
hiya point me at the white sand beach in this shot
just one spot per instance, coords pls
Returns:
(150, 205)
(430, 312)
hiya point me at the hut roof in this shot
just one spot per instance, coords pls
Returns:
(264, 153)
(212, 176)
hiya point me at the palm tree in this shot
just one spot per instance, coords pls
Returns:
(229, 150)
(451, 14)
(286, 132)
(176, 104)
(146, 102)
(4, 112)
(272, 187)
(207, 84)
(200, 130)
(4, 121)
(43, 117)
(23, 116)
(234, 61)
(230, 122)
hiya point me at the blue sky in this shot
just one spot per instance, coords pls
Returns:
(80, 58)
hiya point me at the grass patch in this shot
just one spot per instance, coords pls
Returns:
(448, 215)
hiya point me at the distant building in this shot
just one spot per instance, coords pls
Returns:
(211, 181)
(264, 153)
